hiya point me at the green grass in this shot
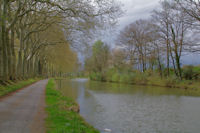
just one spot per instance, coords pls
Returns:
(4, 90)
(62, 113)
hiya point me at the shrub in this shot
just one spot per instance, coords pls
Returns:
(190, 72)
(109, 73)
(116, 77)
(127, 77)
(171, 72)
(171, 81)
(124, 78)
(96, 76)
(149, 72)
(140, 78)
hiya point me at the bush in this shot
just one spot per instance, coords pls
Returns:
(149, 72)
(171, 81)
(140, 78)
(190, 72)
(110, 72)
(127, 77)
(171, 72)
(116, 77)
(124, 78)
(96, 76)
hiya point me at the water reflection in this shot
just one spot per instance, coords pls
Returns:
(134, 109)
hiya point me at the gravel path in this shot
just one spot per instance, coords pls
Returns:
(23, 111)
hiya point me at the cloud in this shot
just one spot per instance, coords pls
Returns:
(136, 9)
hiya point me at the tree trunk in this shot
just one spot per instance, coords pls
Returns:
(13, 56)
(20, 60)
(9, 56)
(3, 35)
(178, 65)
(173, 62)
(167, 41)
(167, 57)
(1, 47)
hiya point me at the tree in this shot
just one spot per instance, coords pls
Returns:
(24, 22)
(191, 8)
(174, 32)
(98, 61)
(119, 59)
(161, 19)
(137, 39)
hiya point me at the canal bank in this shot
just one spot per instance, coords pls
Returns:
(63, 113)
(125, 108)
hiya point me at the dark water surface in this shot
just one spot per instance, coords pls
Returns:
(134, 109)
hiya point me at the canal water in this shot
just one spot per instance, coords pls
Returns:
(125, 108)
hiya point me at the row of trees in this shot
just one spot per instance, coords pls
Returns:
(157, 43)
(36, 35)
(160, 42)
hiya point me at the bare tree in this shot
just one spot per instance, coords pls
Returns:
(191, 8)
(136, 39)
(173, 29)
(161, 18)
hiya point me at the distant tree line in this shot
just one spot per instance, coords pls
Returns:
(35, 35)
(158, 43)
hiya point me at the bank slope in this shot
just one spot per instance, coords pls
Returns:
(63, 116)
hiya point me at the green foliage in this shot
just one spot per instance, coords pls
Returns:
(171, 81)
(97, 47)
(98, 61)
(190, 72)
(109, 73)
(115, 77)
(62, 113)
(96, 76)
(121, 76)
(125, 78)
(150, 77)
(4, 90)
(171, 72)
(140, 78)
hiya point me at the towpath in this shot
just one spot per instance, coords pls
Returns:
(24, 110)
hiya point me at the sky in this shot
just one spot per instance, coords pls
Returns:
(136, 9)
(133, 10)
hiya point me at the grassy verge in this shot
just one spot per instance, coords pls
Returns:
(4, 90)
(63, 116)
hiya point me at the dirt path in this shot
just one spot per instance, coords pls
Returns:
(23, 111)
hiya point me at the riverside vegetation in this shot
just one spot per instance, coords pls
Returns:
(190, 81)
(115, 67)
(151, 51)
(63, 115)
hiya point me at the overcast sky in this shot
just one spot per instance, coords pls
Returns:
(133, 10)
(136, 9)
